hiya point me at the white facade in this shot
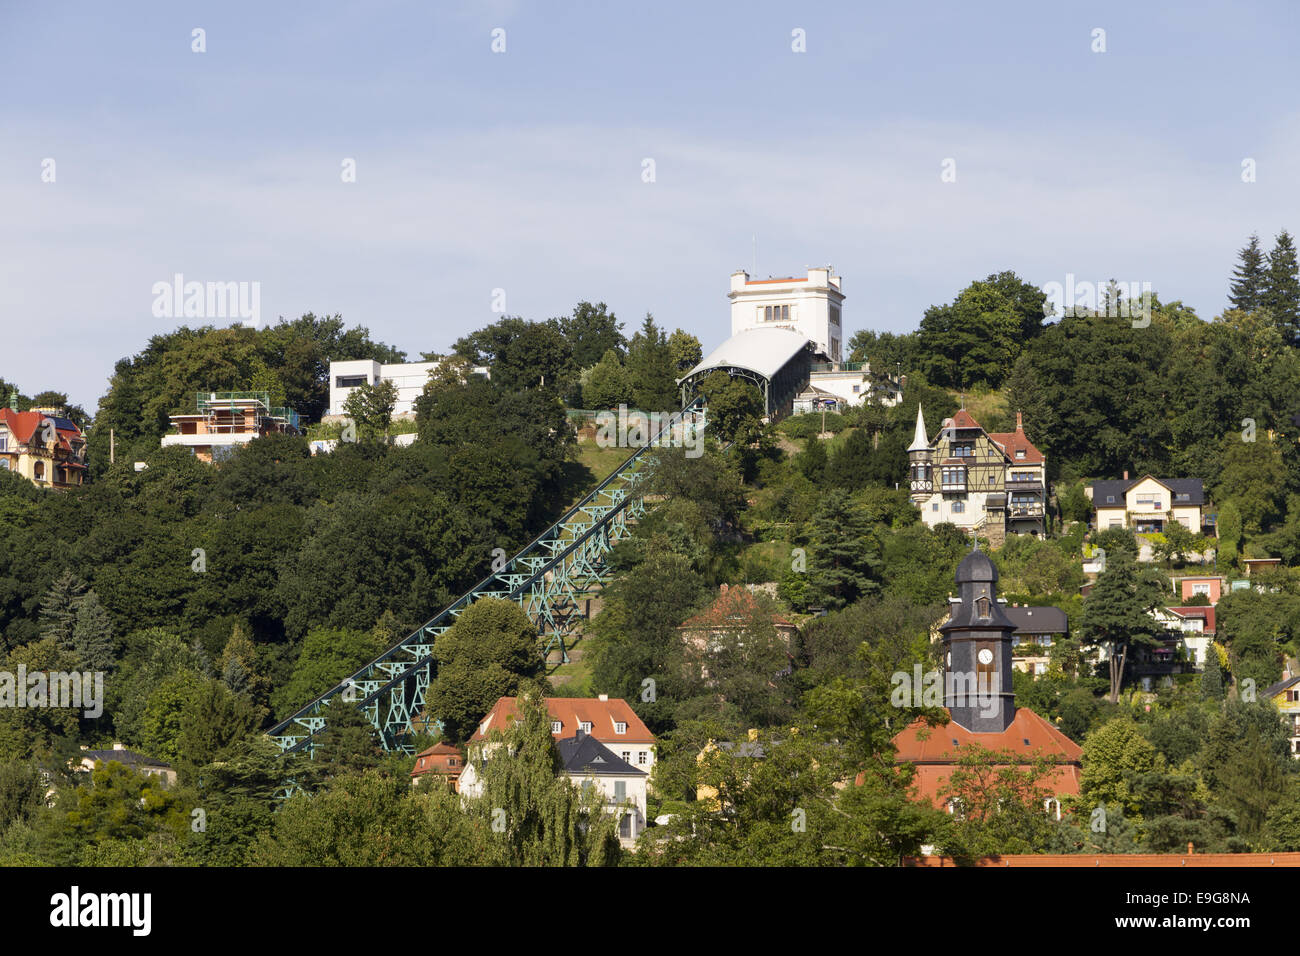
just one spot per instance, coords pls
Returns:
(409, 377)
(810, 306)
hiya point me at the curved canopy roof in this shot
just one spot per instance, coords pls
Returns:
(764, 351)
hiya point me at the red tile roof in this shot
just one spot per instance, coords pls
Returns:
(571, 712)
(734, 607)
(436, 759)
(1011, 442)
(22, 424)
(1203, 611)
(935, 751)
(963, 419)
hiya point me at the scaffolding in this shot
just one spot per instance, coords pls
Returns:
(236, 412)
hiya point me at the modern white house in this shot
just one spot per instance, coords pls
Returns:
(409, 377)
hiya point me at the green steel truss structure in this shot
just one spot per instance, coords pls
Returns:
(546, 579)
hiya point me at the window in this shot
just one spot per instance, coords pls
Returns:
(642, 758)
(4, 464)
(958, 507)
(1020, 453)
(4, 442)
(556, 726)
(1201, 588)
(776, 313)
(627, 756)
(586, 726)
(855, 389)
(935, 506)
(1110, 499)
(349, 381)
(620, 727)
(835, 315)
(625, 826)
(620, 790)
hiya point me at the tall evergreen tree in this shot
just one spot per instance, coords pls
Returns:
(59, 607)
(652, 369)
(1281, 294)
(1117, 613)
(1248, 279)
(92, 634)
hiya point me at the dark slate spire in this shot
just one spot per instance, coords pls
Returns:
(977, 650)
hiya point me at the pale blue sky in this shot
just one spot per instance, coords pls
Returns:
(522, 170)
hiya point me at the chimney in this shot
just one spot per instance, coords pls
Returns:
(579, 733)
(1126, 474)
(1020, 422)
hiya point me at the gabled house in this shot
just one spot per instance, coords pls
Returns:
(594, 768)
(994, 483)
(44, 446)
(610, 721)
(734, 610)
(441, 761)
(1037, 630)
(1209, 586)
(1147, 504)
(1285, 695)
(140, 763)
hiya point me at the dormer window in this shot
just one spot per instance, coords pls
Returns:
(982, 606)
(620, 727)
(586, 726)
(556, 726)
(1020, 453)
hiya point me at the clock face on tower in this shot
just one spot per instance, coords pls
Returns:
(986, 656)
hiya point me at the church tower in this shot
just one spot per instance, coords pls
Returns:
(977, 651)
(918, 457)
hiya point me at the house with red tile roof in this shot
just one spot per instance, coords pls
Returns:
(441, 762)
(611, 721)
(603, 745)
(44, 446)
(734, 610)
(978, 641)
(992, 483)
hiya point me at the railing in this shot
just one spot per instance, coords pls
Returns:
(1027, 511)
(837, 366)
(541, 578)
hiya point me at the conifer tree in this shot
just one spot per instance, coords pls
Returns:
(92, 634)
(59, 608)
(1248, 278)
(1281, 294)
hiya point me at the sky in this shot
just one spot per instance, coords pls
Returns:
(516, 178)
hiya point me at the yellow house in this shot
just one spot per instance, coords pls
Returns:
(43, 446)
(1147, 504)
(1286, 695)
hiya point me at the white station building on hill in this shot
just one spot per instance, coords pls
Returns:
(787, 337)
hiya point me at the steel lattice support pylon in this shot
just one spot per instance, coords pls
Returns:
(546, 579)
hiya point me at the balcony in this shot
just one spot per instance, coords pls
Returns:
(1025, 511)
(1033, 485)
(953, 488)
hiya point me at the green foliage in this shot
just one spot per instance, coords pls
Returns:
(490, 650)
(975, 339)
